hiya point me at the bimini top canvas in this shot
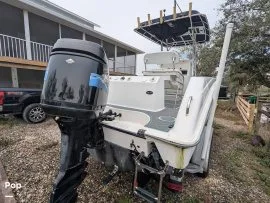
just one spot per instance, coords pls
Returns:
(176, 30)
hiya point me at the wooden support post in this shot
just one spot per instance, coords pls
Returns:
(161, 17)
(258, 107)
(190, 9)
(149, 19)
(14, 75)
(139, 22)
(174, 12)
(251, 118)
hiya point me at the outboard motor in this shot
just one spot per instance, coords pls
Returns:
(75, 93)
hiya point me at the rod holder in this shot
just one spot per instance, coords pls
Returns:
(161, 17)
(174, 12)
(149, 19)
(139, 22)
(190, 9)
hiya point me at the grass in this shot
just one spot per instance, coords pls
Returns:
(191, 200)
(257, 157)
(5, 141)
(264, 177)
(241, 135)
(262, 171)
(263, 156)
(124, 200)
(217, 126)
(8, 121)
(234, 162)
(226, 105)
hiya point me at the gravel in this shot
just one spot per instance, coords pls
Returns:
(30, 155)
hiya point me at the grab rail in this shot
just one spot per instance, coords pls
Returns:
(188, 105)
(210, 82)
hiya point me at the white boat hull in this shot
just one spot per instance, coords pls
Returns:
(177, 145)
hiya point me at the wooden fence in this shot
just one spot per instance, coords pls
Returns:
(264, 99)
(247, 111)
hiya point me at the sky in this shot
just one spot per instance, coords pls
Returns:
(118, 18)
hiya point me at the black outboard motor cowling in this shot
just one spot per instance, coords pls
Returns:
(75, 91)
(76, 79)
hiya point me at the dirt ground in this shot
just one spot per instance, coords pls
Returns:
(239, 172)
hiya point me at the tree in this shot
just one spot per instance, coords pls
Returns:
(249, 58)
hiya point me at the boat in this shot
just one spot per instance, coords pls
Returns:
(158, 125)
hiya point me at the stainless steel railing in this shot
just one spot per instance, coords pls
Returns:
(17, 48)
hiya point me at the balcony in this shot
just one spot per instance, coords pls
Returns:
(20, 53)
(13, 47)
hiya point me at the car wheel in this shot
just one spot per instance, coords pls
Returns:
(34, 113)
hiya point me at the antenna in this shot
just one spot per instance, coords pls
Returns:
(177, 5)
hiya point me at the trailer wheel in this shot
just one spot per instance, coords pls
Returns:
(204, 174)
(34, 113)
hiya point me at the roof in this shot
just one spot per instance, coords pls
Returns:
(176, 31)
(114, 41)
(50, 10)
(60, 15)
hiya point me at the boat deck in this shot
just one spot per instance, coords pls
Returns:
(161, 120)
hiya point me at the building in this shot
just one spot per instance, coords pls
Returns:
(28, 30)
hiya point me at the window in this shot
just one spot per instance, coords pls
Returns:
(5, 77)
(110, 52)
(130, 63)
(30, 78)
(184, 72)
(67, 32)
(11, 21)
(120, 64)
(47, 34)
(93, 39)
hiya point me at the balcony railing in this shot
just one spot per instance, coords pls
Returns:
(16, 48)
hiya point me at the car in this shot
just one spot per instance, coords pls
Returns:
(23, 103)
